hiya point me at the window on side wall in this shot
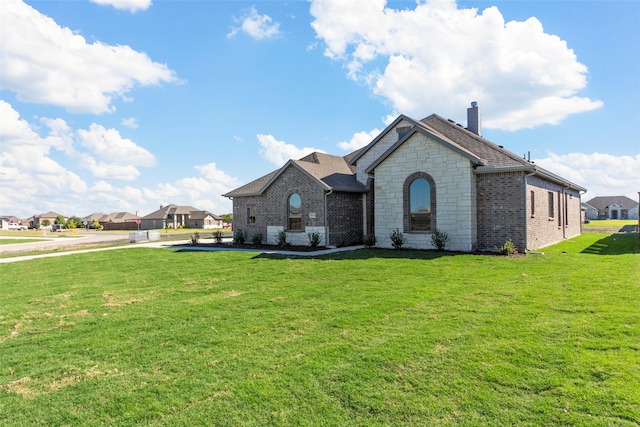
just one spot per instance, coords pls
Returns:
(251, 215)
(532, 201)
(551, 208)
(295, 212)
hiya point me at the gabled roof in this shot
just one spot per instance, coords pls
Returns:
(603, 202)
(204, 214)
(328, 171)
(171, 209)
(485, 156)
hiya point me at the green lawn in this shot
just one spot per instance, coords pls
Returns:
(371, 337)
(14, 241)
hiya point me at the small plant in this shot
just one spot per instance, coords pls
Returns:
(507, 249)
(217, 236)
(195, 239)
(397, 238)
(281, 238)
(314, 239)
(240, 237)
(369, 241)
(257, 239)
(439, 239)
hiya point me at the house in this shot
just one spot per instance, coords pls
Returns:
(45, 220)
(173, 216)
(589, 212)
(204, 219)
(613, 207)
(4, 224)
(114, 221)
(416, 176)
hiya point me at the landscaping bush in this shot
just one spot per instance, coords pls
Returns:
(257, 239)
(314, 239)
(217, 236)
(369, 240)
(281, 238)
(195, 239)
(397, 238)
(507, 249)
(240, 237)
(439, 239)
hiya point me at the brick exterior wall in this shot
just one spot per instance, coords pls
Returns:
(454, 192)
(345, 222)
(501, 210)
(345, 218)
(566, 221)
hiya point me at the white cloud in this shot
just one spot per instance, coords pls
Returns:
(33, 182)
(255, 25)
(359, 140)
(437, 58)
(130, 123)
(279, 152)
(48, 64)
(601, 174)
(110, 146)
(130, 5)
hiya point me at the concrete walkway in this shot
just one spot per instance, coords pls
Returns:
(177, 244)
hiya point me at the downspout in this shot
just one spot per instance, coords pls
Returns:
(565, 217)
(326, 218)
(526, 215)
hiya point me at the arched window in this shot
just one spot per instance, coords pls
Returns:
(419, 203)
(295, 212)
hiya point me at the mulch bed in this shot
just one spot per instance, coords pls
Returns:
(261, 247)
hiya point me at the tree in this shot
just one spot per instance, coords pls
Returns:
(46, 223)
(60, 220)
(227, 218)
(74, 222)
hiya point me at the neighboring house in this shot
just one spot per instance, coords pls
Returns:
(614, 207)
(173, 216)
(416, 177)
(4, 224)
(589, 211)
(37, 220)
(204, 219)
(115, 221)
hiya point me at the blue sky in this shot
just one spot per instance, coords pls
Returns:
(124, 105)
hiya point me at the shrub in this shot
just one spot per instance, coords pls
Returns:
(195, 239)
(257, 239)
(314, 239)
(369, 240)
(281, 238)
(439, 239)
(507, 249)
(240, 237)
(217, 236)
(397, 238)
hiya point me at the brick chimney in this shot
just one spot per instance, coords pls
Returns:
(473, 119)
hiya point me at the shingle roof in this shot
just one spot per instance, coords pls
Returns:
(603, 202)
(331, 172)
(170, 210)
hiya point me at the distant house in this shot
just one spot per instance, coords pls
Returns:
(612, 207)
(174, 216)
(4, 224)
(204, 219)
(416, 177)
(114, 221)
(38, 220)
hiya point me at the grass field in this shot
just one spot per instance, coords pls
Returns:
(160, 337)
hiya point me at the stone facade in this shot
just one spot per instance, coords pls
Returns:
(454, 188)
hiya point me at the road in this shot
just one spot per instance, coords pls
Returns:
(53, 243)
